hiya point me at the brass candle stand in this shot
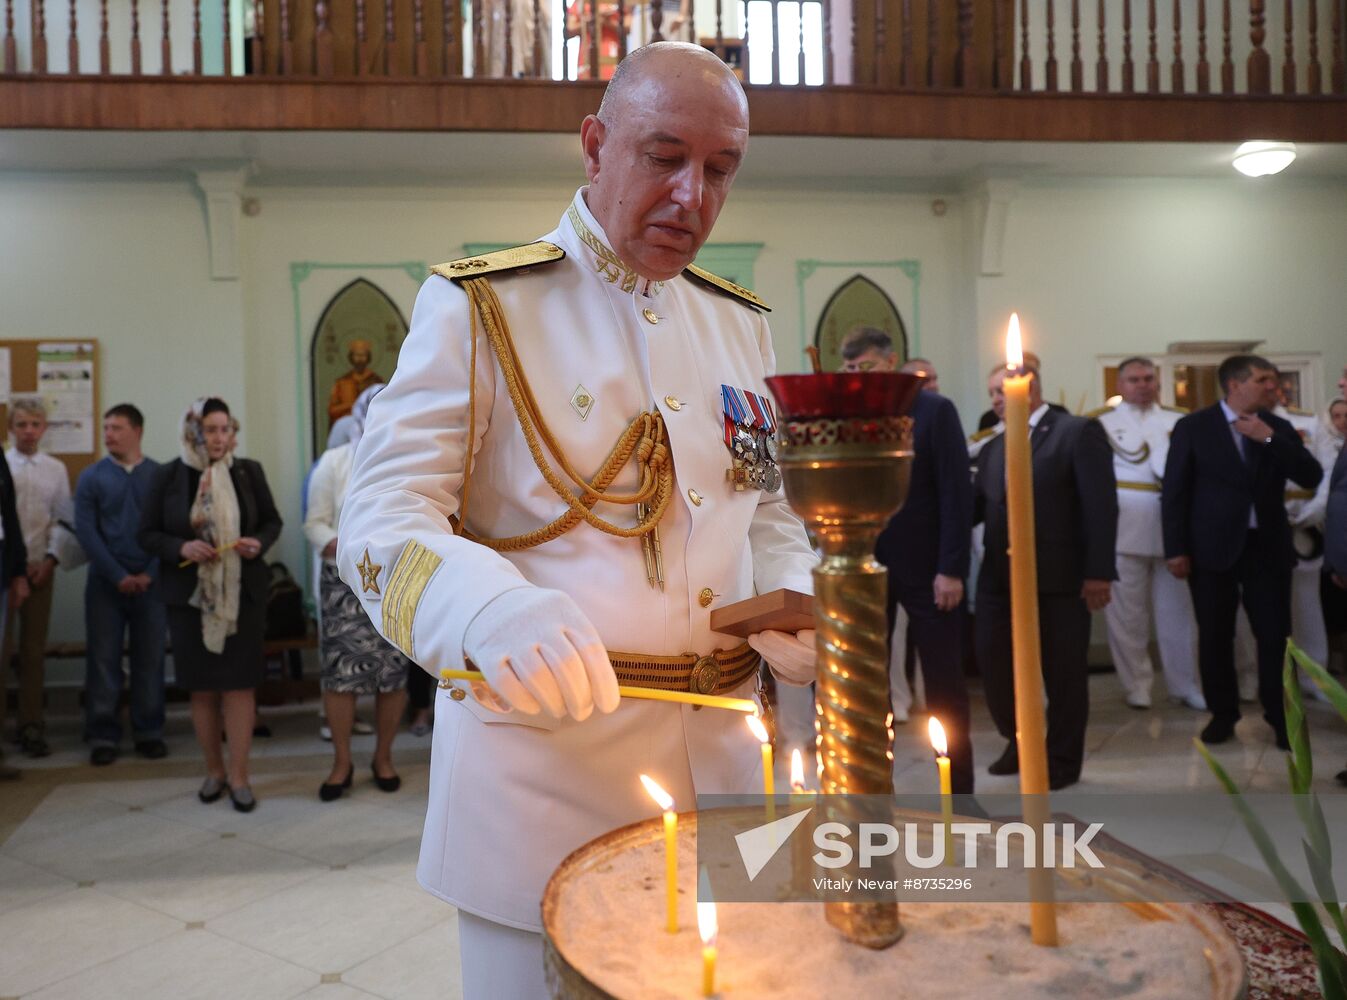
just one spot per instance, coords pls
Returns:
(846, 458)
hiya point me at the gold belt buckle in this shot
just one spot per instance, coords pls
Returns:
(705, 676)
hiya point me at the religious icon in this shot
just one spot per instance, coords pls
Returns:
(348, 387)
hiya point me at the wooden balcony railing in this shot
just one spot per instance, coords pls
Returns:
(1125, 50)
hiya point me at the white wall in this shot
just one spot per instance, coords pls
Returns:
(1094, 267)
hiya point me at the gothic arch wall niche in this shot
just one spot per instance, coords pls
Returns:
(359, 311)
(858, 301)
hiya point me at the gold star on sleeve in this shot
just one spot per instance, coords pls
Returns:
(369, 574)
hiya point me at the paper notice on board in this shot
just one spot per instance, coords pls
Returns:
(4, 376)
(65, 381)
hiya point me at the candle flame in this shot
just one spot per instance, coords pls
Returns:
(938, 738)
(1014, 347)
(796, 770)
(707, 925)
(662, 798)
(759, 730)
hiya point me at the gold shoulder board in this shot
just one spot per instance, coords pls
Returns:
(986, 432)
(1175, 409)
(739, 292)
(500, 261)
(1097, 413)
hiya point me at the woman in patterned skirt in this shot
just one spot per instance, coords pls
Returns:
(356, 659)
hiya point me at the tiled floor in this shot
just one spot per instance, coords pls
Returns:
(117, 883)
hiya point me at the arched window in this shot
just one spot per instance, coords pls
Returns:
(858, 301)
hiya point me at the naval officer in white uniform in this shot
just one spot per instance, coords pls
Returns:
(597, 352)
(1138, 430)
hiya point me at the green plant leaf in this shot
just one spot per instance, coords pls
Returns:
(1335, 692)
(1300, 764)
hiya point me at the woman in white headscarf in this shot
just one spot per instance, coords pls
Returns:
(355, 658)
(209, 517)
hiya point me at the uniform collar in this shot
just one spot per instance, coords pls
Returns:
(1037, 416)
(1138, 411)
(592, 246)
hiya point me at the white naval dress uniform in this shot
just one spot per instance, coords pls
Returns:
(1145, 590)
(512, 795)
(1305, 510)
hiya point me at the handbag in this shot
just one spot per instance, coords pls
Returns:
(285, 606)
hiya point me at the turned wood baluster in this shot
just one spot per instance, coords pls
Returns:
(11, 44)
(593, 37)
(227, 49)
(322, 39)
(1203, 67)
(362, 65)
(479, 29)
(967, 67)
(1314, 72)
(104, 47)
(165, 46)
(776, 40)
(621, 35)
(1260, 62)
(1128, 68)
(196, 37)
(73, 44)
(657, 18)
(1227, 63)
(800, 60)
(507, 64)
(537, 67)
(1339, 64)
(932, 39)
(720, 30)
(38, 17)
(256, 48)
(1153, 47)
(905, 71)
(287, 43)
(135, 37)
(1289, 62)
(1050, 67)
(448, 18)
(1077, 67)
(881, 36)
(1101, 60)
(421, 57)
(391, 37)
(827, 9)
(1026, 67)
(1176, 73)
(998, 80)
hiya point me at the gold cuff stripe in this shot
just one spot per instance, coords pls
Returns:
(1300, 494)
(1127, 484)
(412, 572)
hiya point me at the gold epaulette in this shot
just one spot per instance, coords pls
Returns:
(1296, 412)
(1176, 409)
(1097, 413)
(510, 259)
(728, 287)
(981, 435)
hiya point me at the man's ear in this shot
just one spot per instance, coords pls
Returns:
(592, 133)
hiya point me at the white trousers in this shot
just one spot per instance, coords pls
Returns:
(1147, 592)
(1307, 629)
(499, 961)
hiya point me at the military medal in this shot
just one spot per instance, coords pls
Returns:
(750, 436)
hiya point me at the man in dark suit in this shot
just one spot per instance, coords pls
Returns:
(991, 418)
(925, 547)
(1335, 533)
(1075, 526)
(1225, 528)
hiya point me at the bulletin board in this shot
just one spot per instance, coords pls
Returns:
(64, 374)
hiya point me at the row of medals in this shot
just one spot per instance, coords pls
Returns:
(754, 451)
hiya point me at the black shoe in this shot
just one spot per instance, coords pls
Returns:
(262, 731)
(386, 784)
(1282, 740)
(1217, 731)
(102, 756)
(243, 799)
(152, 749)
(1008, 762)
(328, 792)
(32, 742)
(1341, 777)
(1056, 782)
(212, 789)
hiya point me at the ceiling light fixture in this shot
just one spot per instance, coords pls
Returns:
(1262, 158)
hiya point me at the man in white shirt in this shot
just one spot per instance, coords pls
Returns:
(1145, 592)
(471, 532)
(42, 493)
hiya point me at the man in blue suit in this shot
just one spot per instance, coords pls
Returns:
(925, 547)
(1226, 532)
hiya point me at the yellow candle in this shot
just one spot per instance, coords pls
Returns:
(708, 929)
(665, 801)
(768, 778)
(746, 705)
(941, 746)
(1029, 725)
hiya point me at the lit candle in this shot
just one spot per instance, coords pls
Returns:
(768, 779)
(941, 746)
(708, 929)
(665, 801)
(1029, 725)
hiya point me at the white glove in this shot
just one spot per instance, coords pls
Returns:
(538, 653)
(791, 657)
